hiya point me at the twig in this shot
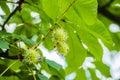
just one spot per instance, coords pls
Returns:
(60, 17)
(68, 8)
(31, 70)
(15, 10)
(8, 68)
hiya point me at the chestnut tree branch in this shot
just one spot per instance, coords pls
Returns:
(51, 29)
(6, 55)
(15, 10)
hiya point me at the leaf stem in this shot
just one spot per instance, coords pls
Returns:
(33, 75)
(8, 68)
(31, 72)
(51, 29)
(63, 14)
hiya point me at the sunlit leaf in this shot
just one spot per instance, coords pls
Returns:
(104, 69)
(93, 74)
(82, 8)
(91, 42)
(77, 52)
(5, 7)
(80, 75)
(48, 43)
(100, 31)
(52, 9)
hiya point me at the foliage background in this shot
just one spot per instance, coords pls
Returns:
(31, 22)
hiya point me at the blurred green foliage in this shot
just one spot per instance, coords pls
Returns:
(85, 22)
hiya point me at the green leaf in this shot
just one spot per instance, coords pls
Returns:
(35, 1)
(27, 29)
(5, 7)
(23, 74)
(48, 43)
(4, 34)
(16, 18)
(42, 77)
(77, 52)
(80, 75)
(13, 50)
(55, 69)
(81, 8)
(44, 66)
(54, 78)
(57, 74)
(102, 3)
(4, 44)
(114, 8)
(56, 8)
(104, 69)
(10, 77)
(15, 36)
(89, 22)
(91, 42)
(53, 64)
(8, 62)
(93, 74)
(100, 31)
(8, 72)
(27, 41)
(107, 22)
(1, 78)
(116, 42)
(51, 7)
(16, 66)
(25, 13)
(82, 20)
(93, 46)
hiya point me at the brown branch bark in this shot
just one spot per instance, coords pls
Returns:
(18, 8)
(6, 55)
